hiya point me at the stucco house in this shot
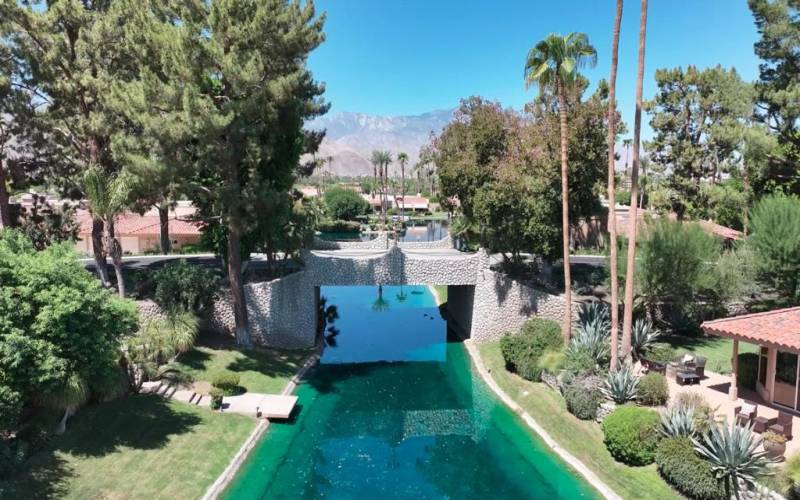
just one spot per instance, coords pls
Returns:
(777, 333)
(141, 233)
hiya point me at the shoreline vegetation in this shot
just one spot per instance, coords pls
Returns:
(581, 439)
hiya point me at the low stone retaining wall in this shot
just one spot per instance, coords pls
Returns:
(377, 243)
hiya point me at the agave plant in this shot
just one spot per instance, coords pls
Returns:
(621, 386)
(731, 451)
(678, 421)
(593, 316)
(643, 336)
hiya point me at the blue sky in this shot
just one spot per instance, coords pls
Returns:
(399, 57)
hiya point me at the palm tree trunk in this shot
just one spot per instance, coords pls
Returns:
(627, 322)
(612, 198)
(115, 251)
(163, 219)
(98, 251)
(562, 114)
(5, 208)
(62, 424)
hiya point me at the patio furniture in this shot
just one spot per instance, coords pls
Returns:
(652, 366)
(687, 377)
(760, 424)
(745, 413)
(700, 366)
(783, 425)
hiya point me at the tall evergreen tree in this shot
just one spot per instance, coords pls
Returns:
(778, 88)
(230, 95)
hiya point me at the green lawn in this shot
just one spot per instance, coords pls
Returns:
(716, 350)
(260, 370)
(581, 438)
(135, 447)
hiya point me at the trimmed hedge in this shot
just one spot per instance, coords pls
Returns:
(748, 370)
(653, 389)
(339, 226)
(521, 352)
(685, 471)
(632, 434)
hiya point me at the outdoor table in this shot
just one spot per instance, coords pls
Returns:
(683, 378)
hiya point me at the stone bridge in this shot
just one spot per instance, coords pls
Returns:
(484, 304)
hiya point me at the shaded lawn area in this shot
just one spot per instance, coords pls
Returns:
(584, 439)
(141, 446)
(260, 370)
(716, 350)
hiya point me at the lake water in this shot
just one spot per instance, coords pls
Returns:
(415, 231)
(396, 411)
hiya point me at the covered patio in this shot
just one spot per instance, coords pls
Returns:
(777, 384)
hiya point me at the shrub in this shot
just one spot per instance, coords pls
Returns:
(632, 434)
(216, 395)
(339, 226)
(551, 361)
(579, 362)
(184, 287)
(680, 466)
(521, 352)
(621, 386)
(791, 477)
(748, 370)
(653, 389)
(227, 382)
(345, 204)
(582, 403)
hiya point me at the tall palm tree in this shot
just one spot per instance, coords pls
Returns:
(552, 65)
(380, 162)
(402, 159)
(108, 196)
(418, 168)
(612, 198)
(627, 143)
(627, 320)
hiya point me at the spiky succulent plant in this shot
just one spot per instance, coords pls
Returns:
(643, 335)
(678, 421)
(731, 451)
(621, 386)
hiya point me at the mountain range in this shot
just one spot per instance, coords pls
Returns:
(350, 138)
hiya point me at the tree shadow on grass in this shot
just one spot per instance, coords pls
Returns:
(195, 359)
(264, 364)
(140, 422)
(46, 476)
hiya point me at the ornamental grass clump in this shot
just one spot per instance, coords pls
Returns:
(653, 390)
(621, 386)
(732, 452)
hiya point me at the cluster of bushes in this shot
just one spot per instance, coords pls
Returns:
(522, 352)
(184, 287)
(339, 226)
(681, 467)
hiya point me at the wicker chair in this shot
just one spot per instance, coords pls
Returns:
(783, 425)
(743, 415)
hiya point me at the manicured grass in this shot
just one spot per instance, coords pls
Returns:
(260, 370)
(581, 438)
(716, 350)
(140, 446)
(441, 292)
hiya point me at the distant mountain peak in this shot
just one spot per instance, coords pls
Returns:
(351, 137)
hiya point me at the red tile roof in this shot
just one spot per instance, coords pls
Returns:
(780, 328)
(707, 226)
(132, 224)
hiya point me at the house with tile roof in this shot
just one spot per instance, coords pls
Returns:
(139, 234)
(777, 333)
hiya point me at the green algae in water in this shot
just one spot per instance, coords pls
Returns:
(427, 428)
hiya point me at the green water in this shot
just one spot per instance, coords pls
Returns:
(420, 425)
